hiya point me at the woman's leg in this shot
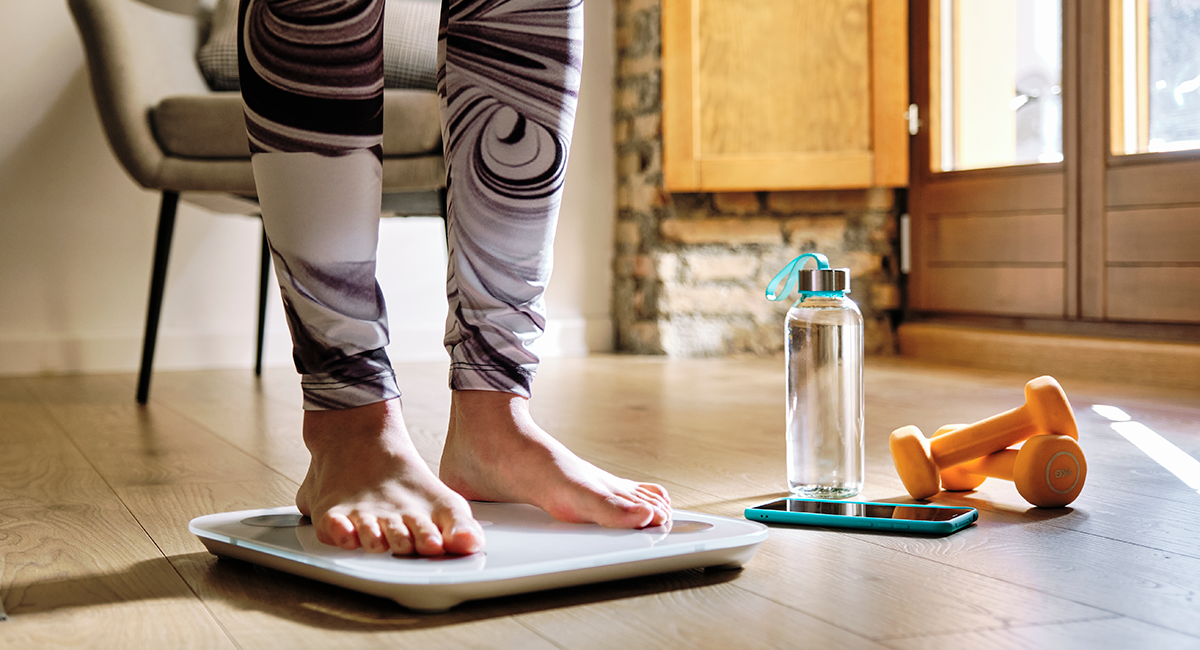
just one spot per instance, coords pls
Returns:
(312, 80)
(508, 80)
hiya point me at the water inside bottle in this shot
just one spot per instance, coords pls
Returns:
(824, 403)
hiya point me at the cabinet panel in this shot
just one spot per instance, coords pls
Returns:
(823, 170)
(807, 91)
(784, 94)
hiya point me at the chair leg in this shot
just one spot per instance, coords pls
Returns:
(158, 281)
(264, 275)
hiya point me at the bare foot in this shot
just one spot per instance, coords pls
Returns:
(495, 452)
(367, 487)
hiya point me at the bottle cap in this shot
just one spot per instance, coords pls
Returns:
(824, 280)
(821, 281)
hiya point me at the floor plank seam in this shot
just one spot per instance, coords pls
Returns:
(203, 603)
(1173, 553)
(988, 577)
(262, 390)
(1042, 591)
(112, 490)
(218, 436)
(58, 424)
(1001, 628)
(213, 615)
(984, 575)
(547, 639)
(814, 617)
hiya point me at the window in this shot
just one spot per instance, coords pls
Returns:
(1154, 62)
(1000, 83)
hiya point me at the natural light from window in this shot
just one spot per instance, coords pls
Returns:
(1158, 448)
(1000, 83)
(1155, 78)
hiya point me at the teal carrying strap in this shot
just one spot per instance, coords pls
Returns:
(790, 276)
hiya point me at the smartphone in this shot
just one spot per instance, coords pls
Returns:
(862, 515)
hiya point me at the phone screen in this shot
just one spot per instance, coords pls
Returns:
(873, 510)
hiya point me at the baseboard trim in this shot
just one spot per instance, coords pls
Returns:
(33, 354)
(1148, 363)
(575, 337)
(112, 353)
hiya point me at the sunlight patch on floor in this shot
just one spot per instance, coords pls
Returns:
(1158, 448)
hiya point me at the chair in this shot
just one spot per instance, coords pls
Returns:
(174, 135)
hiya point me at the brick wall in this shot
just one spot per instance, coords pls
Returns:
(691, 269)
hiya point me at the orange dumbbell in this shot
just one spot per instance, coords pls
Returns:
(952, 479)
(1049, 470)
(919, 459)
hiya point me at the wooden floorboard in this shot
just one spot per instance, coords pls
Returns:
(1102, 634)
(74, 559)
(854, 584)
(95, 549)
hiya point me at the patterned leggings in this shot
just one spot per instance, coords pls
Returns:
(312, 80)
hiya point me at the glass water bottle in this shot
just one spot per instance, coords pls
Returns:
(824, 347)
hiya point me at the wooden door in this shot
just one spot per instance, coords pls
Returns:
(1140, 194)
(1107, 237)
(992, 239)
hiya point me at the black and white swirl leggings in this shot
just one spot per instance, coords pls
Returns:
(312, 81)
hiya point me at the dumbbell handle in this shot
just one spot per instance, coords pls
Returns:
(982, 438)
(998, 465)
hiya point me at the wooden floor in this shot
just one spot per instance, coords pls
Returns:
(96, 493)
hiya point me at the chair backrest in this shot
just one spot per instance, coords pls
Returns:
(137, 54)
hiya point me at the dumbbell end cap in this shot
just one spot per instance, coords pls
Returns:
(1050, 470)
(914, 462)
(1051, 411)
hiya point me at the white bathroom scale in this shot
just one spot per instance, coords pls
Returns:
(526, 550)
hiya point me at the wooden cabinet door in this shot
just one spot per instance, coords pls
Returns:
(784, 94)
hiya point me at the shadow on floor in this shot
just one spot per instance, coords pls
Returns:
(236, 585)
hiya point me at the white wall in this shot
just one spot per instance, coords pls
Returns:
(580, 292)
(76, 233)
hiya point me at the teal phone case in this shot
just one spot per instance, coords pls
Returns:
(867, 523)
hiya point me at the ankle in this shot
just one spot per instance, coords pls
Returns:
(474, 406)
(324, 430)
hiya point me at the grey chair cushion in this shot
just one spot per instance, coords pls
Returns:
(212, 126)
(410, 30)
